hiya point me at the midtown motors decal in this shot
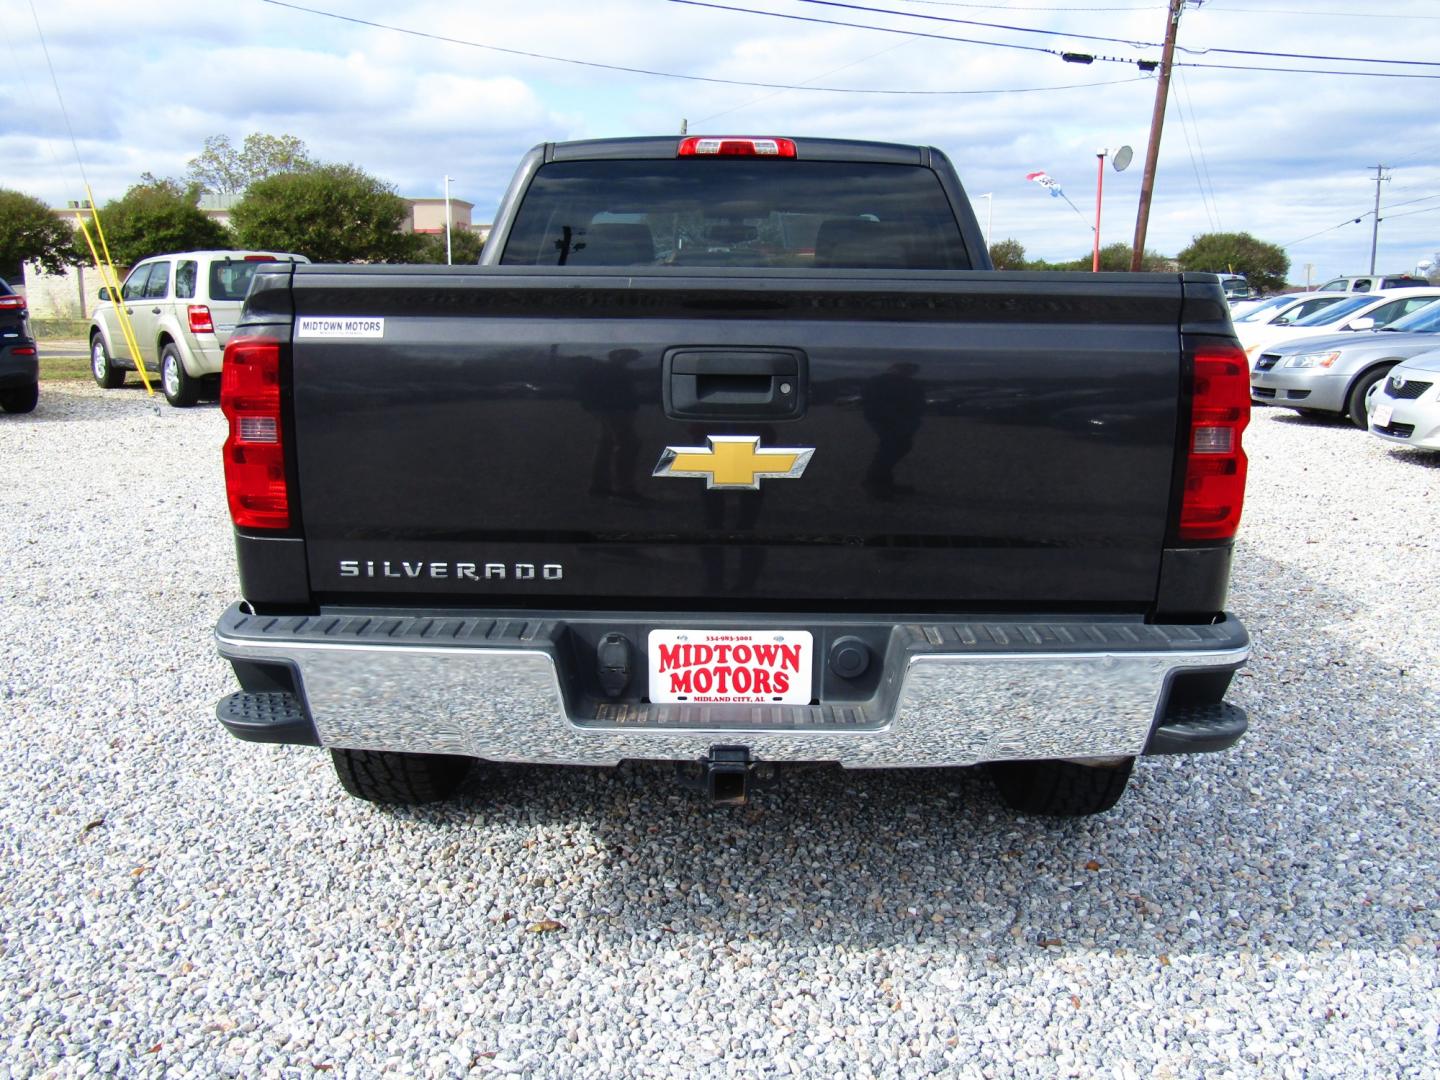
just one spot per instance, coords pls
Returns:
(313, 327)
(770, 667)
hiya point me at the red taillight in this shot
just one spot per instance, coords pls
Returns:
(12, 303)
(731, 146)
(1215, 460)
(23, 350)
(254, 451)
(200, 321)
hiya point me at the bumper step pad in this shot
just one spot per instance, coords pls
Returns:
(1199, 729)
(274, 717)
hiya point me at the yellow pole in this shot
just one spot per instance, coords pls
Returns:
(107, 275)
(126, 328)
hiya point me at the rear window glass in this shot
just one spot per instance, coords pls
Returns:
(4, 287)
(1333, 312)
(1426, 321)
(185, 279)
(736, 213)
(230, 280)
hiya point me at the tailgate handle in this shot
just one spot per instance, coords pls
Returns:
(735, 384)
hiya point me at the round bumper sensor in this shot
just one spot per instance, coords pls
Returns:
(849, 657)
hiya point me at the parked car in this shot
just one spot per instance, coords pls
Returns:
(19, 361)
(1405, 407)
(1237, 289)
(1334, 373)
(1251, 307)
(182, 309)
(1359, 311)
(1293, 306)
(1373, 283)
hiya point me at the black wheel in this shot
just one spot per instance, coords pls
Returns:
(20, 398)
(180, 389)
(1060, 788)
(381, 776)
(102, 366)
(1355, 408)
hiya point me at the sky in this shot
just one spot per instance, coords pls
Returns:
(1282, 155)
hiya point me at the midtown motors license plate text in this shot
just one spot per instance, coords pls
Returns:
(730, 666)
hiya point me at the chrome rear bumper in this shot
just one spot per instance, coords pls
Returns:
(951, 693)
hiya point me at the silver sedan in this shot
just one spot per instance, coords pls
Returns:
(1334, 373)
(1405, 408)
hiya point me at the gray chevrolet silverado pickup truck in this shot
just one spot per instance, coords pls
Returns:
(735, 452)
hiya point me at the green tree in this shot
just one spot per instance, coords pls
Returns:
(1264, 265)
(1008, 254)
(30, 232)
(332, 213)
(224, 170)
(465, 248)
(155, 217)
(1116, 257)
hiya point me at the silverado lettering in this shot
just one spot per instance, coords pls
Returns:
(532, 516)
(462, 571)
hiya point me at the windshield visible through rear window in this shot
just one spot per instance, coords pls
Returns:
(736, 213)
(1424, 321)
(230, 280)
(1334, 312)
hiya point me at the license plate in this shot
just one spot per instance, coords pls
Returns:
(744, 667)
(1380, 415)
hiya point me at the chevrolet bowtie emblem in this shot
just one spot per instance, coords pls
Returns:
(734, 462)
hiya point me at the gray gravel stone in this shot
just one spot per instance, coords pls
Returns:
(177, 903)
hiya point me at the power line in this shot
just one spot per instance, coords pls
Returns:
(1082, 58)
(1409, 213)
(1298, 11)
(427, 35)
(1322, 232)
(863, 26)
(1357, 218)
(977, 22)
(1407, 202)
(1114, 40)
(1306, 71)
(1036, 7)
(1207, 190)
(74, 143)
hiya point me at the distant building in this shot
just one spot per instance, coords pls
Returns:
(74, 294)
(428, 215)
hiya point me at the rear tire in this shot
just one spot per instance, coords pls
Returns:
(1355, 409)
(383, 776)
(102, 366)
(1060, 788)
(180, 389)
(20, 398)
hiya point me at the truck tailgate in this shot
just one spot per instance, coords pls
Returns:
(980, 441)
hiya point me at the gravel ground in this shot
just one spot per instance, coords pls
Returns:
(176, 902)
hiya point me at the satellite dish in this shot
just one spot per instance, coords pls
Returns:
(1122, 157)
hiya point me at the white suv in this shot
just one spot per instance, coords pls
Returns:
(182, 309)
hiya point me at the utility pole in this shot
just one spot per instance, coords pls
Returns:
(1375, 225)
(447, 220)
(1157, 122)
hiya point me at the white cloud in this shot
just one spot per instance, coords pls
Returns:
(1287, 155)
